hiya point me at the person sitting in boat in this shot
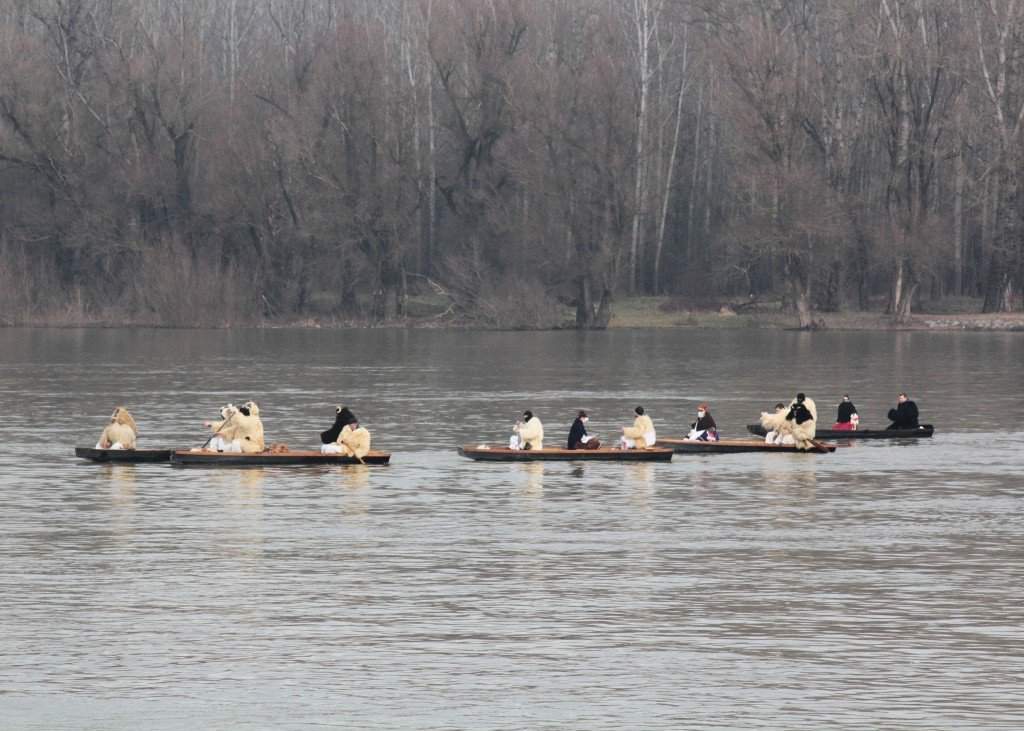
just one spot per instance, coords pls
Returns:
(704, 429)
(846, 415)
(352, 441)
(773, 422)
(224, 438)
(120, 433)
(343, 416)
(249, 428)
(641, 435)
(905, 415)
(529, 433)
(578, 437)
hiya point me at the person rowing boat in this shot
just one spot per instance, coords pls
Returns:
(349, 439)
(343, 416)
(529, 433)
(240, 429)
(641, 435)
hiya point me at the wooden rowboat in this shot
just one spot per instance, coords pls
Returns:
(738, 445)
(123, 456)
(925, 430)
(240, 459)
(489, 453)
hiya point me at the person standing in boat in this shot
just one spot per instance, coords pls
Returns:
(846, 415)
(578, 437)
(704, 429)
(905, 415)
(641, 435)
(529, 433)
(800, 421)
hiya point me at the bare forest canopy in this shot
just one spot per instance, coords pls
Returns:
(516, 162)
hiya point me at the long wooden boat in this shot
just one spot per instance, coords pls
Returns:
(299, 457)
(738, 445)
(493, 453)
(925, 430)
(123, 456)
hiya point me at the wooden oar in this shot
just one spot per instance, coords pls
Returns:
(217, 431)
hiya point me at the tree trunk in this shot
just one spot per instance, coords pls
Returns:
(668, 184)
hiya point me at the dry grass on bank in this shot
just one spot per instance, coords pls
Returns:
(432, 311)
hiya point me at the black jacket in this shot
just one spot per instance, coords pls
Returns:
(799, 413)
(904, 416)
(576, 433)
(846, 410)
(705, 423)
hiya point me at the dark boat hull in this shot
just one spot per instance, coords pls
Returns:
(297, 458)
(727, 446)
(925, 430)
(504, 454)
(123, 456)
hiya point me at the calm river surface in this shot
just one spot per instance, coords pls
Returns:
(878, 587)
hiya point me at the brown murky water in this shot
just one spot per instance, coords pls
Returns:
(878, 587)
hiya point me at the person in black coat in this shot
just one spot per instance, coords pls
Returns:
(904, 416)
(845, 414)
(578, 437)
(343, 417)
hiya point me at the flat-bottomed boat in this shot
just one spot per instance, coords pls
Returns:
(492, 453)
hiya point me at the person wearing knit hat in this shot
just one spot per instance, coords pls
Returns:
(704, 429)
(641, 435)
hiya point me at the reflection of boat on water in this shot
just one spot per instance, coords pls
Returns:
(126, 456)
(693, 446)
(487, 453)
(296, 458)
(925, 430)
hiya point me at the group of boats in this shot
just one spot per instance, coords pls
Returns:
(662, 451)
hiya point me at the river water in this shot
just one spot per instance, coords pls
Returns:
(877, 587)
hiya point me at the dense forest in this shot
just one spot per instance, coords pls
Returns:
(233, 161)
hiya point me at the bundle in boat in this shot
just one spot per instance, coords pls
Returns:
(123, 456)
(694, 446)
(493, 453)
(925, 430)
(293, 458)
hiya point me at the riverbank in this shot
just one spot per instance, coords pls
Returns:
(629, 312)
(661, 312)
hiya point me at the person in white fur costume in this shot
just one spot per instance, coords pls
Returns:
(120, 433)
(794, 425)
(641, 435)
(529, 433)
